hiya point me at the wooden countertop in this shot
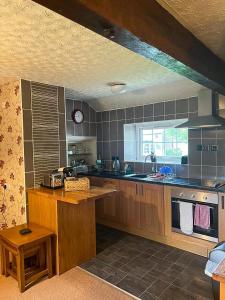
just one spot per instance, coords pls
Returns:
(76, 197)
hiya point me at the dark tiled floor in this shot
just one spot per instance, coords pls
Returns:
(147, 269)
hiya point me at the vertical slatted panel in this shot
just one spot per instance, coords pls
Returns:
(45, 129)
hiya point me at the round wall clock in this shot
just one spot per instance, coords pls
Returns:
(77, 116)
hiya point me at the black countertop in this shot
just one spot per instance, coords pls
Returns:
(208, 185)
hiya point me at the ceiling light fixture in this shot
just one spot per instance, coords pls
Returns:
(117, 87)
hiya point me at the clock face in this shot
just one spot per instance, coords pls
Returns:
(77, 116)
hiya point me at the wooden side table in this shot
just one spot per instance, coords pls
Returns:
(17, 248)
(219, 275)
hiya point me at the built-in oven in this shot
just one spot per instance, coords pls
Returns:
(210, 199)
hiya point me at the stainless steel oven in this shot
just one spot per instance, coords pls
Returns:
(196, 196)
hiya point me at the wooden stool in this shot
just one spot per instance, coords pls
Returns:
(22, 247)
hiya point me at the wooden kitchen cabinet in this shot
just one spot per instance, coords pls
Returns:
(152, 209)
(129, 203)
(107, 207)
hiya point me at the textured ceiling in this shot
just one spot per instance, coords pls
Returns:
(204, 18)
(40, 45)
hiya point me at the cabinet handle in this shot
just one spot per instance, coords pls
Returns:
(136, 189)
(142, 189)
(222, 202)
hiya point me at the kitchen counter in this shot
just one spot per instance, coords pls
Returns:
(71, 216)
(76, 197)
(176, 181)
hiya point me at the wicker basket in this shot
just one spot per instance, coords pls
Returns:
(76, 184)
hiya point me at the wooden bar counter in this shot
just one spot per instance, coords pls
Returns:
(71, 216)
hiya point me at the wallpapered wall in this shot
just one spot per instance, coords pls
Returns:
(12, 200)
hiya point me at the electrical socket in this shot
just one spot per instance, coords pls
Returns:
(6, 186)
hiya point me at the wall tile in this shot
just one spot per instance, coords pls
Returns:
(182, 116)
(99, 116)
(29, 179)
(170, 108)
(26, 94)
(86, 129)
(221, 172)
(27, 121)
(63, 154)
(92, 115)
(113, 130)
(195, 172)
(159, 118)
(70, 128)
(194, 155)
(209, 157)
(209, 134)
(113, 148)
(99, 132)
(121, 130)
(78, 105)
(105, 115)
(194, 133)
(28, 156)
(148, 110)
(129, 113)
(106, 151)
(193, 104)
(159, 109)
(138, 112)
(181, 106)
(61, 100)
(208, 172)
(105, 131)
(62, 127)
(121, 114)
(148, 119)
(69, 109)
(92, 129)
(221, 152)
(170, 117)
(100, 150)
(86, 112)
(78, 130)
(113, 115)
(121, 150)
(182, 171)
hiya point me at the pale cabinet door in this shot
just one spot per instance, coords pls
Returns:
(129, 204)
(151, 209)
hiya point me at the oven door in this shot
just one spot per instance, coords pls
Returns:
(210, 234)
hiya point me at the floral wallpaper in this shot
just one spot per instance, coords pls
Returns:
(12, 199)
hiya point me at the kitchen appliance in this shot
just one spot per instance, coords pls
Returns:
(53, 180)
(195, 196)
(116, 164)
(207, 115)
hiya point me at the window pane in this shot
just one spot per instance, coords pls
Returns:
(147, 137)
(182, 135)
(147, 147)
(172, 149)
(170, 135)
(158, 149)
(158, 135)
(183, 148)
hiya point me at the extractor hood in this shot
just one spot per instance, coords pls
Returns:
(207, 116)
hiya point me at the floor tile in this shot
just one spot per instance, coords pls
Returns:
(175, 293)
(158, 287)
(133, 285)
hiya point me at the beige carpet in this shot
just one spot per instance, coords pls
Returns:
(74, 284)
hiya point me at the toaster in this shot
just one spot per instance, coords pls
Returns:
(53, 180)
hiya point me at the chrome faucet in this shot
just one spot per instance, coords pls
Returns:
(153, 159)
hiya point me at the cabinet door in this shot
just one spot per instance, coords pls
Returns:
(221, 212)
(129, 203)
(151, 209)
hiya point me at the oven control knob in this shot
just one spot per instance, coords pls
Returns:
(205, 198)
(193, 196)
(181, 194)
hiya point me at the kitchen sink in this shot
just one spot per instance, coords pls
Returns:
(139, 176)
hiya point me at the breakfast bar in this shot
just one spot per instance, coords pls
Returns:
(71, 216)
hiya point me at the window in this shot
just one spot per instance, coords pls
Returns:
(166, 141)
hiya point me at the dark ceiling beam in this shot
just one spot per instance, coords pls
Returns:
(145, 27)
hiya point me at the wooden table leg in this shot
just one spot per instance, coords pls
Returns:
(49, 257)
(2, 271)
(20, 270)
(6, 261)
(222, 290)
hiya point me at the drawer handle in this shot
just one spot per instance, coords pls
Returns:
(222, 202)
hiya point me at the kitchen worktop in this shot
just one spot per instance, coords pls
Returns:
(76, 197)
(175, 181)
